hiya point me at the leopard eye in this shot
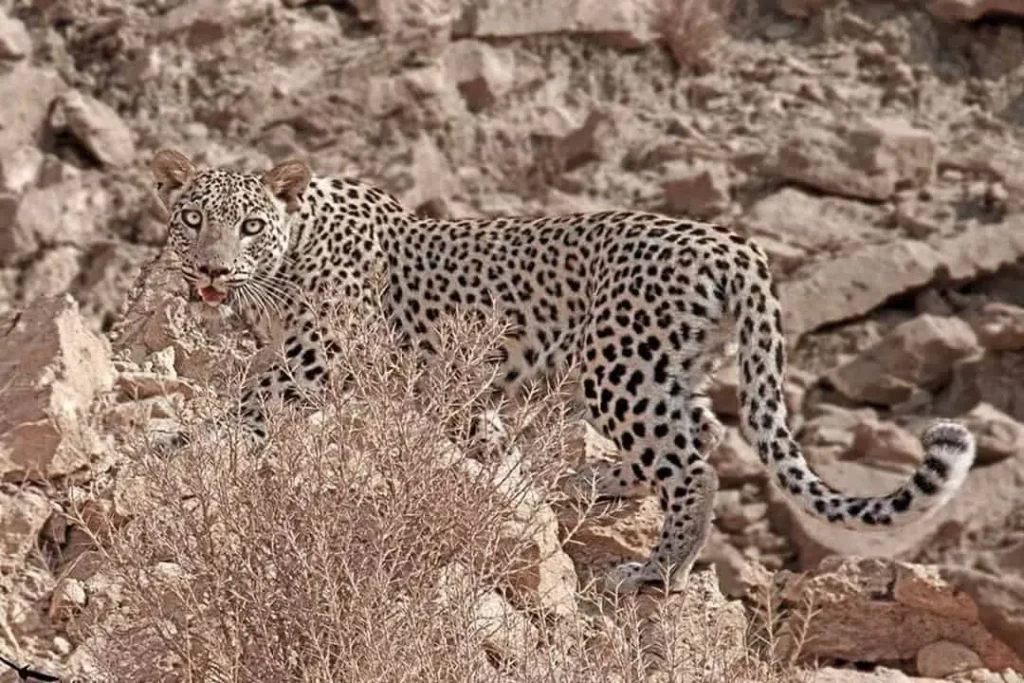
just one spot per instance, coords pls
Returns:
(192, 218)
(253, 226)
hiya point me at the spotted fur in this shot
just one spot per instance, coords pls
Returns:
(646, 305)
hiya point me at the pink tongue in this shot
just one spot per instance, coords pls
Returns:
(212, 296)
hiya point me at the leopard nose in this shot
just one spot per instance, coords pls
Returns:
(213, 272)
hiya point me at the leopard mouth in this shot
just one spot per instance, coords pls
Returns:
(212, 296)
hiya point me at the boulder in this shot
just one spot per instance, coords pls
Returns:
(917, 354)
(98, 127)
(870, 160)
(999, 597)
(992, 378)
(814, 224)
(52, 368)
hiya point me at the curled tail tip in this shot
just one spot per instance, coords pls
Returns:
(948, 435)
(951, 444)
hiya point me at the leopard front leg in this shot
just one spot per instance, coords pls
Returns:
(300, 371)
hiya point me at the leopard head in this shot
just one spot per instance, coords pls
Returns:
(230, 230)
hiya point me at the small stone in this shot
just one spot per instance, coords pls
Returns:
(738, 576)
(998, 436)
(999, 326)
(971, 10)
(506, 632)
(482, 73)
(735, 459)
(429, 177)
(52, 273)
(68, 597)
(886, 445)
(98, 128)
(23, 515)
(14, 39)
(143, 385)
(944, 658)
(700, 193)
(866, 161)
(20, 169)
(575, 147)
(732, 515)
(61, 646)
(208, 21)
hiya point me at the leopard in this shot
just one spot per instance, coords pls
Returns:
(645, 306)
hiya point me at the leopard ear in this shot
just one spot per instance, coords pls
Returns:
(172, 171)
(287, 180)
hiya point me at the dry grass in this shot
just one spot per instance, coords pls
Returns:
(692, 29)
(357, 545)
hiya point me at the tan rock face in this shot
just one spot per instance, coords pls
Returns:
(53, 368)
(879, 610)
(853, 284)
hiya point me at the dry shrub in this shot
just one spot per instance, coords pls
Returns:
(356, 544)
(318, 557)
(692, 29)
